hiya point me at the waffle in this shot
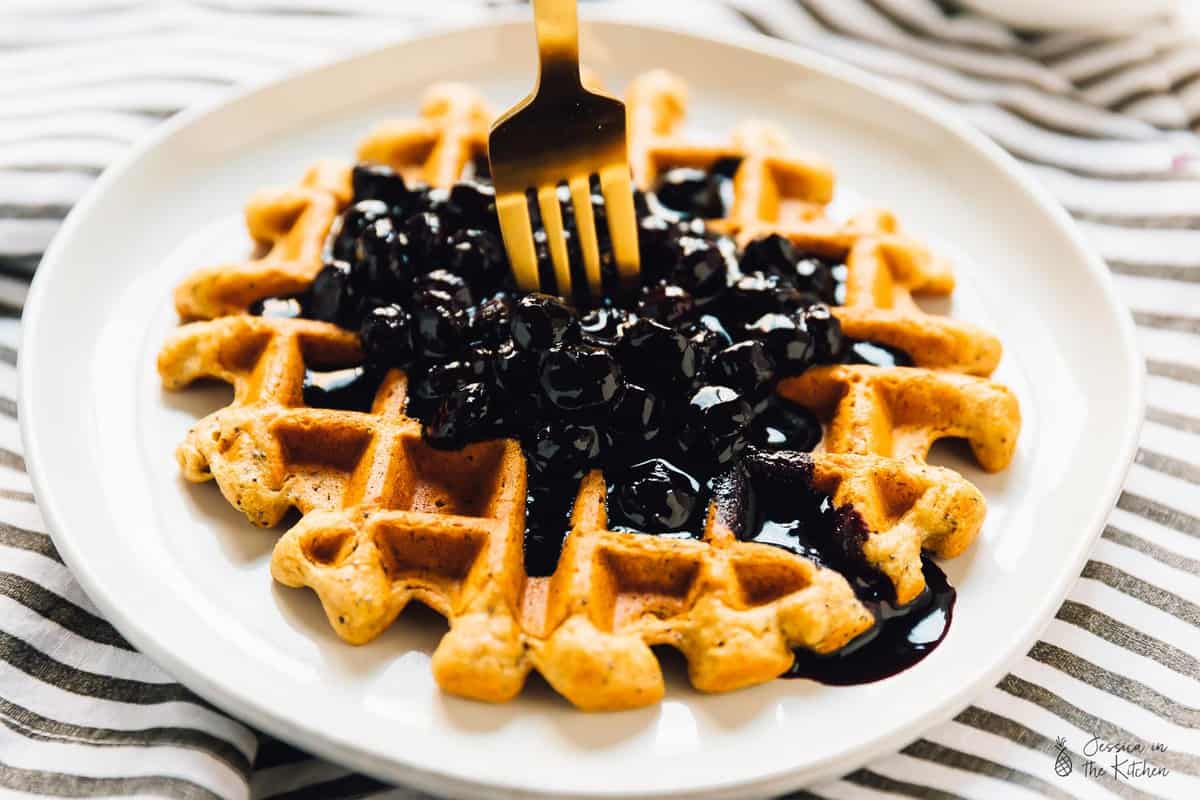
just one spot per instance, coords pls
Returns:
(387, 519)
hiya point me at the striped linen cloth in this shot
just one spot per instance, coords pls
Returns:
(1106, 122)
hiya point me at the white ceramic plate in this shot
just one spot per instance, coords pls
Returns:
(185, 577)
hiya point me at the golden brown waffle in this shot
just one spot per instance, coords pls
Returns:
(290, 225)
(889, 418)
(387, 518)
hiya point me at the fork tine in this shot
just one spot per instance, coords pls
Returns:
(513, 210)
(617, 187)
(556, 238)
(585, 225)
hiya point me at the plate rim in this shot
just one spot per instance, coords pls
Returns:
(257, 715)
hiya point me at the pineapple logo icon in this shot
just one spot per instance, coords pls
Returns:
(1063, 764)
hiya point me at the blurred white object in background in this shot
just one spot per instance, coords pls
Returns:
(1098, 14)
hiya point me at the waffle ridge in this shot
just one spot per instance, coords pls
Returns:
(387, 519)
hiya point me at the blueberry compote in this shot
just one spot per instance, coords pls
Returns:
(668, 386)
(773, 500)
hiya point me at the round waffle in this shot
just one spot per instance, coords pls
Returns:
(387, 518)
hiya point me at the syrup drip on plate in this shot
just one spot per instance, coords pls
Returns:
(902, 636)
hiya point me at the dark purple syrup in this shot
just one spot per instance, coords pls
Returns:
(902, 636)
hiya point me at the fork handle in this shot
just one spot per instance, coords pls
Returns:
(557, 25)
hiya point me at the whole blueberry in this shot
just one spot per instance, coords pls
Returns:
(665, 302)
(539, 322)
(754, 294)
(770, 255)
(700, 266)
(783, 425)
(787, 340)
(344, 233)
(694, 192)
(815, 276)
(563, 450)
(475, 202)
(709, 337)
(745, 366)
(442, 378)
(656, 355)
(334, 296)
(386, 335)
(426, 234)
(463, 415)
(656, 236)
(490, 321)
(638, 415)
(381, 258)
(579, 377)
(718, 417)
(478, 255)
(602, 326)
(439, 327)
(654, 496)
(826, 332)
(381, 182)
(446, 285)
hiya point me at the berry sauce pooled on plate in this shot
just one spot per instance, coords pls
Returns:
(667, 387)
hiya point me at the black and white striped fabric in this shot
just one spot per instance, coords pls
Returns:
(1106, 122)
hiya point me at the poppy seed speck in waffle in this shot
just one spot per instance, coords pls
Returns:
(388, 518)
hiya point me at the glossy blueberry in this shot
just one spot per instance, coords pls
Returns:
(718, 417)
(770, 255)
(343, 235)
(783, 425)
(443, 377)
(815, 276)
(876, 354)
(602, 326)
(381, 259)
(334, 296)
(439, 327)
(446, 286)
(787, 340)
(386, 335)
(579, 377)
(709, 338)
(655, 355)
(563, 450)
(638, 415)
(654, 496)
(463, 415)
(490, 321)
(655, 239)
(539, 322)
(475, 202)
(279, 307)
(478, 255)
(826, 332)
(745, 366)
(752, 295)
(694, 192)
(381, 182)
(665, 302)
(426, 234)
(700, 266)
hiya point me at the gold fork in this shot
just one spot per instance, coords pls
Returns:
(563, 133)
